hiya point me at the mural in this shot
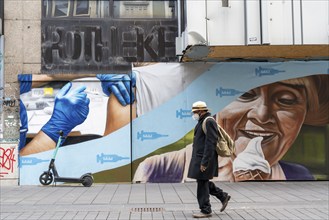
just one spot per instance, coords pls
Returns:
(108, 35)
(138, 127)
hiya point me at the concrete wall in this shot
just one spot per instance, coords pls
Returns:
(22, 54)
(22, 51)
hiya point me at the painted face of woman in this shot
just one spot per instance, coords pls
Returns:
(275, 112)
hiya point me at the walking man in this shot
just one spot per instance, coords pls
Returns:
(204, 162)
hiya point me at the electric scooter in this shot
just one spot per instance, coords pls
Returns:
(47, 177)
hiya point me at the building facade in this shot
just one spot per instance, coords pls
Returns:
(66, 40)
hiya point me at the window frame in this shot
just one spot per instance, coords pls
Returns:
(54, 8)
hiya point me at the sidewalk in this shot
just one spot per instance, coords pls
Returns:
(250, 200)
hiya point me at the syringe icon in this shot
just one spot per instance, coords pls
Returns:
(106, 158)
(227, 92)
(181, 113)
(25, 161)
(260, 71)
(149, 135)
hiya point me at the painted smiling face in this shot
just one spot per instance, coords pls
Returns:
(275, 112)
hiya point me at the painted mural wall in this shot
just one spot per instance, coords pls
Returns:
(277, 113)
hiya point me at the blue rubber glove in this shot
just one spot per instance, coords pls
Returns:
(25, 83)
(119, 85)
(23, 125)
(71, 109)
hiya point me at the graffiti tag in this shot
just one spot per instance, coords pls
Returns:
(8, 102)
(7, 160)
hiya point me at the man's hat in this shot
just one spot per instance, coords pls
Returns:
(199, 105)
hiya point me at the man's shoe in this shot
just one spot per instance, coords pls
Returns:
(225, 202)
(201, 215)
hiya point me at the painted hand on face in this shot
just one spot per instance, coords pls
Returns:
(275, 112)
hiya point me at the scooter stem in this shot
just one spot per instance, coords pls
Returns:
(57, 146)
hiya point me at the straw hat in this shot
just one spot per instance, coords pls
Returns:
(199, 105)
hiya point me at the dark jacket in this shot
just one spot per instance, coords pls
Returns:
(204, 150)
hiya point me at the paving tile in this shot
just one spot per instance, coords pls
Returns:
(113, 216)
(168, 216)
(102, 215)
(91, 215)
(157, 215)
(263, 214)
(69, 215)
(80, 215)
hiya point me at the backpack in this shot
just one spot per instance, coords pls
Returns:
(225, 145)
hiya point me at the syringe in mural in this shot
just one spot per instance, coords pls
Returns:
(143, 135)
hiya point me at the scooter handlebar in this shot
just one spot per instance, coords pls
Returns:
(61, 133)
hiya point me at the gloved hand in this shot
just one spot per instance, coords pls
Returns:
(23, 125)
(119, 85)
(25, 81)
(25, 85)
(71, 109)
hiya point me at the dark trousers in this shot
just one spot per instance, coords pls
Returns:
(204, 189)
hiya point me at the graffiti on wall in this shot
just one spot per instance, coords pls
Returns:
(8, 161)
(10, 119)
(141, 143)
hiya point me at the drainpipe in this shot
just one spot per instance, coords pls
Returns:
(206, 17)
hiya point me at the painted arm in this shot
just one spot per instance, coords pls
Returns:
(118, 115)
(71, 109)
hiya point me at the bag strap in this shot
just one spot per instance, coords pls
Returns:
(222, 133)
(205, 129)
(204, 123)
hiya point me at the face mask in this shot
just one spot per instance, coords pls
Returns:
(196, 116)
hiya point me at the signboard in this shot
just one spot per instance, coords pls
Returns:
(106, 37)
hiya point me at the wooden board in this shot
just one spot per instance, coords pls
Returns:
(255, 53)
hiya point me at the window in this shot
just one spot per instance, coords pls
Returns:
(102, 8)
(81, 7)
(225, 3)
(61, 8)
(136, 9)
(45, 8)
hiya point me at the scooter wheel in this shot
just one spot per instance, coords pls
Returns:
(46, 178)
(87, 181)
